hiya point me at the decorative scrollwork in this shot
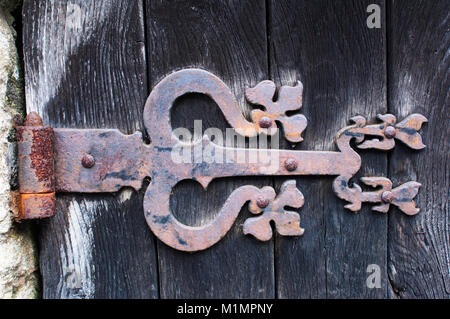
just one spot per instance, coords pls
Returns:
(124, 161)
(387, 131)
(287, 222)
(105, 160)
(290, 98)
(343, 164)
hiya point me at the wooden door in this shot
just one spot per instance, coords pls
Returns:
(92, 64)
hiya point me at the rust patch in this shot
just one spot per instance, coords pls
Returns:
(290, 164)
(287, 223)
(87, 161)
(33, 119)
(262, 202)
(41, 155)
(37, 206)
(99, 160)
(36, 169)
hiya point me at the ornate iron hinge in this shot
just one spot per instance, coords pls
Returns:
(105, 160)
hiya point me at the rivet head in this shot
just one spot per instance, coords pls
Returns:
(88, 161)
(265, 122)
(262, 202)
(290, 164)
(389, 131)
(387, 197)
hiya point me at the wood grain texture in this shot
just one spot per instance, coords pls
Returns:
(228, 39)
(327, 45)
(90, 64)
(85, 67)
(419, 61)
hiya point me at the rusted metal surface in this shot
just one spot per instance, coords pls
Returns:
(287, 223)
(290, 98)
(35, 156)
(387, 196)
(265, 122)
(103, 160)
(291, 164)
(107, 160)
(36, 169)
(344, 164)
(87, 161)
(407, 132)
(36, 206)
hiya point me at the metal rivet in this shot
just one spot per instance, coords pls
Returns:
(290, 164)
(262, 202)
(389, 131)
(387, 197)
(87, 161)
(265, 122)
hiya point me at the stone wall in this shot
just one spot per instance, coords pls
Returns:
(18, 254)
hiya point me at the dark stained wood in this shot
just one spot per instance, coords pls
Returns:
(341, 63)
(419, 62)
(85, 67)
(91, 64)
(228, 39)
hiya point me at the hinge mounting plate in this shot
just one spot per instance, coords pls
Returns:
(53, 160)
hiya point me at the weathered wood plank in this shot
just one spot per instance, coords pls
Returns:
(419, 62)
(341, 62)
(85, 67)
(228, 39)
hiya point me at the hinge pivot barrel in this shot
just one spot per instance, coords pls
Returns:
(35, 168)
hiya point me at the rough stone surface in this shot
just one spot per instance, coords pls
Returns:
(18, 255)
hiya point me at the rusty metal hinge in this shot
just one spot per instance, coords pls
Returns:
(55, 160)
